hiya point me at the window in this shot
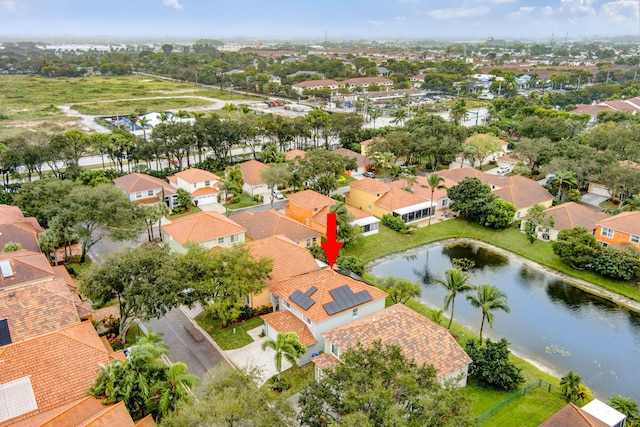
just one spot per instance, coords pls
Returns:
(139, 195)
(220, 240)
(306, 319)
(335, 350)
(308, 242)
(207, 183)
(286, 303)
(517, 214)
(195, 185)
(149, 193)
(315, 240)
(607, 232)
(444, 202)
(354, 312)
(234, 238)
(634, 239)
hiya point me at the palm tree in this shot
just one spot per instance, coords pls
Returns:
(631, 204)
(434, 181)
(229, 107)
(400, 115)
(459, 112)
(565, 179)
(456, 281)
(625, 406)
(182, 114)
(488, 298)
(144, 124)
(572, 388)
(374, 114)
(173, 388)
(286, 345)
(346, 232)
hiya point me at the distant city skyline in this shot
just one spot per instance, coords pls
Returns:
(309, 19)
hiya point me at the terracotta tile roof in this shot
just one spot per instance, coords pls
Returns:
(194, 175)
(147, 200)
(419, 338)
(90, 412)
(459, 174)
(421, 188)
(289, 259)
(367, 80)
(134, 182)
(311, 199)
(591, 109)
(571, 214)
(252, 171)
(325, 361)
(272, 223)
(572, 416)
(202, 227)
(320, 217)
(27, 267)
(18, 233)
(523, 192)
(13, 215)
(284, 321)
(38, 308)
(205, 191)
(146, 422)
(360, 159)
(292, 154)
(372, 186)
(625, 222)
(397, 198)
(62, 365)
(324, 281)
(316, 83)
(629, 164)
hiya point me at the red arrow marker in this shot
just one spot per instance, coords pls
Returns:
(331, 246)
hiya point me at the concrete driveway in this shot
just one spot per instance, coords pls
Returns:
(594, 200)
(252, 355)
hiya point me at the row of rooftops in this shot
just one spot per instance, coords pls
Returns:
(49, 349)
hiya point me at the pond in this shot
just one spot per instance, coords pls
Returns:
(552, 324)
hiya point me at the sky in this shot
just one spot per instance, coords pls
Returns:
(309, 19)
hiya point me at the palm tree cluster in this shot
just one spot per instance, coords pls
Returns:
(488, 298)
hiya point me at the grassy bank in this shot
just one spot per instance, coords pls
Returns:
(387, 242)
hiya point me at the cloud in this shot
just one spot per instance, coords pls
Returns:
(522, 13)
(376, 23)
(9, 5)
(577, 7)
(400, 18)
(497, 1)
(175, 4)
(620, 11)
(458, 13)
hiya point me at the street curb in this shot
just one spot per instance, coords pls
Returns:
(208, 337)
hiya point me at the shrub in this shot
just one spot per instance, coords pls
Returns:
(611, 262)
(395, 223)
(351, 263)
(278, 384)
(491, 365)
(236, 199)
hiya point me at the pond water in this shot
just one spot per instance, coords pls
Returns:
(553, 324)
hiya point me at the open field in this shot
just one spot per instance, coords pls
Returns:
(126, 107)
(29, 101)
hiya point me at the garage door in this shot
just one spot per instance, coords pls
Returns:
(207, 199)
(599, 189)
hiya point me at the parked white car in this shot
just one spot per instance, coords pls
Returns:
(503, 169)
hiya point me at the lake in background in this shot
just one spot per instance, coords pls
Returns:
(551, 323)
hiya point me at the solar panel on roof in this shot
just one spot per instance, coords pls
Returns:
(344, 298)
(303, 299)
(5, 335)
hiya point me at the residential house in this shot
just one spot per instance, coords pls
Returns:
(601, 189)
(16, 228)
(145, 189)
(208, 229)
(42, 375)
(568, 215)
(420, 339)
(620, 231)
(252, 175)
(26, 267)
(421, 188)
(311, 208)
(381, 199)
(365, 82)
(417, 80)
(272, 223)
(317, 302)
(316, 84)
(364, 163)
(483, 138)
(459, 174)
(201, 184)
(523, 193)
(593, 414)
(364, 145)
(289, 260)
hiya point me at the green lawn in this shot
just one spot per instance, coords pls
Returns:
(388, 241)
(529, 410)
(299, 379)
(191, 211)
(229, 338)
(246, 200)
(126, 107)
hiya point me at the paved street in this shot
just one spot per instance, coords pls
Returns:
(198, 356)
